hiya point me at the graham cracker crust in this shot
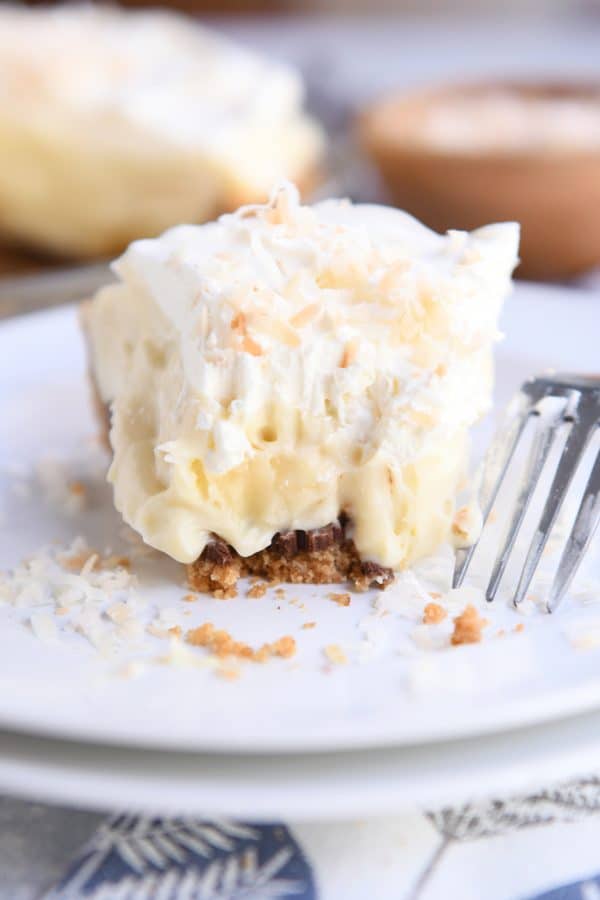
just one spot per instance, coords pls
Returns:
(321, 556)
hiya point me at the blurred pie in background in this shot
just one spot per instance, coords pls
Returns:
(116, 125)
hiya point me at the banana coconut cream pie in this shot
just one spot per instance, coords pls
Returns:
(291, 387)
(116, 125)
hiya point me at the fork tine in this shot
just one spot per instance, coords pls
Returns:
(546, 431)
(496, 462)
(586, 522)
(572, 452)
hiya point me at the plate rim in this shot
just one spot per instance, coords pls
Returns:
(323, 787)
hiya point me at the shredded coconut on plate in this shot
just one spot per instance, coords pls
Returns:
(75, 589)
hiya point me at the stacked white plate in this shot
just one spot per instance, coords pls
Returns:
(398, 725)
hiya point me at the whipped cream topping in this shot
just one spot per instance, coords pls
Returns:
(160, 76)
(285, 363)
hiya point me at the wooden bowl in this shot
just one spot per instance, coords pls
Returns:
(554, 192)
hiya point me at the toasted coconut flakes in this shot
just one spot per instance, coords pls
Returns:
(156, 630)
(277, 329)
(306, 315)
(118, 613)
(100, 603)
(116, 562)
(239, 323)
(250, 346)
(584, 635)
(349, 354)
(79, 561)
(335, 654)
(90, 564)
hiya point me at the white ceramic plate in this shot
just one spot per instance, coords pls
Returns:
(66, 689)
(297, 787)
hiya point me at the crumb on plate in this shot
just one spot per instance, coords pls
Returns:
(433, 614)
(222, 644)
(340, 599)
(468, 627)
(335, 654)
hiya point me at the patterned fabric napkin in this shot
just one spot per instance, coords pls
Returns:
(542, 846)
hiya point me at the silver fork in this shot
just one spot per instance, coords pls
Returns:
(577, 408)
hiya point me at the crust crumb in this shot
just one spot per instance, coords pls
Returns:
(228, 674)
(435, 595)
(329, 558)
(468, 627)
(258, 589)
(225, 593)
(285, 647)
(175, 631)
(190, 598)
(340, 599)
(335, 654)
(222, 644)
(309, 625)
(433, 614)
(519, 627)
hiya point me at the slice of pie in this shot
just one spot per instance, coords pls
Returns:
(115, 125)
(291, 387)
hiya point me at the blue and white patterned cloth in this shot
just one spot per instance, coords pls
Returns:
(545, 846)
